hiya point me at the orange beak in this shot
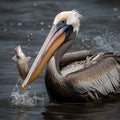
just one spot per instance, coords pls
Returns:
(54, 39)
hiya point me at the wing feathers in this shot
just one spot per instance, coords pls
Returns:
(99, 79)
(74, 56)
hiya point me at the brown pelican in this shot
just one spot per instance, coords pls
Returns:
(77, 76)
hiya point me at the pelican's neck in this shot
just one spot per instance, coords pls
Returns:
(53, 64)
(53, 67)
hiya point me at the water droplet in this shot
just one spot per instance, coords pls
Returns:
(34, 4)
(49, 26)
(19, 24)
(115, 9)
(31, 34)
(42, 29)
(28, 40)
(5, 30)
(41, 23)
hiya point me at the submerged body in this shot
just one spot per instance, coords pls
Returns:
(22, 62)
(78, 76)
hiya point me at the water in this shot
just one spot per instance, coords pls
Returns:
(25, 98)
(27, 23)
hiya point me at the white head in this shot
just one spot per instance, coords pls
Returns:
(71, 17)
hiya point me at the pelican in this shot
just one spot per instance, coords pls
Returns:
(78, 76)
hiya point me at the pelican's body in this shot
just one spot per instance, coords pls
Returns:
(88, 80)
(78, 76)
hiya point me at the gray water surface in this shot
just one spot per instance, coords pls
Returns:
(27, 23)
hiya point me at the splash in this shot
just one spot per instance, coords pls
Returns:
(103, 44)
(24, 98)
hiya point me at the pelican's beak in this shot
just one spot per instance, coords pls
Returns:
(54, 39)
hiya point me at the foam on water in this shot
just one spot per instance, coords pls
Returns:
(25, 98)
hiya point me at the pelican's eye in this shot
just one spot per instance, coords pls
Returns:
(63, 21)
(61, 24)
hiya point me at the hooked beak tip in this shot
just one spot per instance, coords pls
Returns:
(23, 87)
